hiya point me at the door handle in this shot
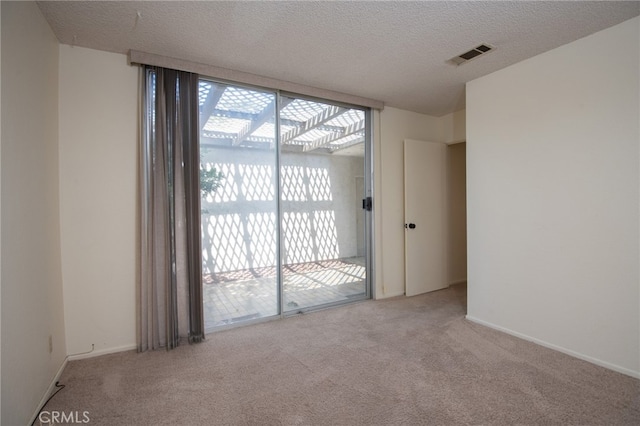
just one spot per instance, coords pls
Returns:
(410, 225)
(367, 204)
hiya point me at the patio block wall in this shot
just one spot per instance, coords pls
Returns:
(320, 206)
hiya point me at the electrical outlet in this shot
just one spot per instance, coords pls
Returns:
(50, 344)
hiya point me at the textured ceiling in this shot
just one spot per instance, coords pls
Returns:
(395, 52)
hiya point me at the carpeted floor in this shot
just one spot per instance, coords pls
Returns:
(403, 361)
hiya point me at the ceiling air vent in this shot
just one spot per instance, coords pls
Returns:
(471, 54)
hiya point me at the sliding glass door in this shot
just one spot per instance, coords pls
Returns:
(322, 176)
(283, 181)
(238, 157)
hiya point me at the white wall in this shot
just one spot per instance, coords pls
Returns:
(454, 134)
(454, 127)
(98, 158)
(553, 196)
(32, 303)
(457, 212)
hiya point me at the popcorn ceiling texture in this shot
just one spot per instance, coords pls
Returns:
(395, 52)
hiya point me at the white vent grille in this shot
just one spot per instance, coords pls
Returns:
(471, 54)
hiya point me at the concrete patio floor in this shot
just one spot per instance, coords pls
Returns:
(237, 296)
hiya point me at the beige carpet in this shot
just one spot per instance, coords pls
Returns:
(403, 361)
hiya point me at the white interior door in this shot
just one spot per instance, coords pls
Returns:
(425, 216)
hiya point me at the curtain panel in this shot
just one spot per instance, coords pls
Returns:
(170, 283)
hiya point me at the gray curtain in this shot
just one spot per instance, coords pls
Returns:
(170, 284)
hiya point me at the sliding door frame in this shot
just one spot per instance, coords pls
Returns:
(368, 186)
(368, 168)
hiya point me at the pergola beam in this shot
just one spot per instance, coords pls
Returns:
(214, 95)
(315, 121)
(283, 121)
(326, 140)
(266, 115)
(348, 144)
(223, 142)
(323, 127)
(253, 125)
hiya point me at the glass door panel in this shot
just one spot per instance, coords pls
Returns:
(238, 159)
(322, 182)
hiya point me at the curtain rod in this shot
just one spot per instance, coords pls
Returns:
(143, 58)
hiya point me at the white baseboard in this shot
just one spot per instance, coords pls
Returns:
(100, 352)
(608, 365)
(49, 391)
